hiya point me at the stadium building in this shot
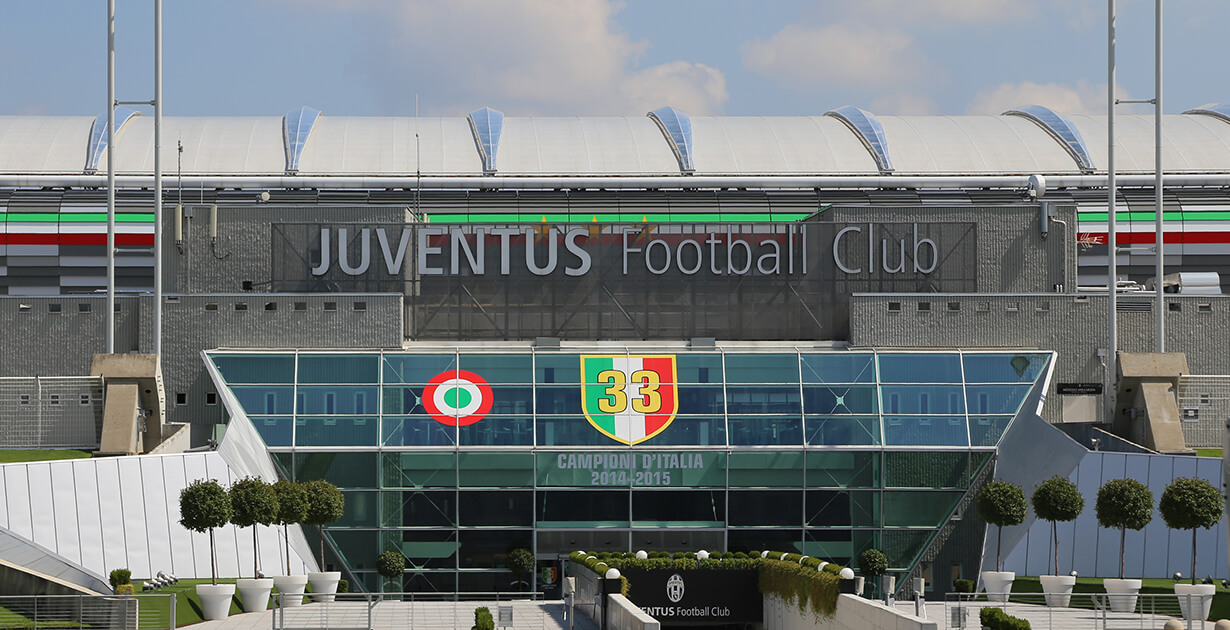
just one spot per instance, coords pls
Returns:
(817, 334)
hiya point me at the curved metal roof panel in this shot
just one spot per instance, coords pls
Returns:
(676, 126)
(44, 144)
(779, 144)
(866, 126)
(383, 145)
(1190, 144)
(212, 145)
(933, 145)
(296, 129)
(584, 146)
(487, 124)
(1060, 128)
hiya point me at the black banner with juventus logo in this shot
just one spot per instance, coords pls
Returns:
(698, 596)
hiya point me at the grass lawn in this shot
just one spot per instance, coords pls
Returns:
(1208, 452)
(40, 455)
(187, 604)
(10, 619)
(1221, 600)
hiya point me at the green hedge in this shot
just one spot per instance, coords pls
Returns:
(801, 585)
(997, 619)
(483, 619)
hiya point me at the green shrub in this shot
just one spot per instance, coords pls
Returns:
(325, 504)
(1190, 504)
(1054, 500)
(807, 588)
(1001, 504)
(120, 576)
(253, 502)
(873, 562)
(343, 586)
(204, 505)
(963, 586)
(997, 619)
(125, 589)
(292, 509)
(521, 562)
(1123, 504)
(391, 564)
(483, 619)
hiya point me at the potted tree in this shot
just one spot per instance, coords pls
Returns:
(1054, 500)
(873, 563)
(391, 565)
(1002, 504)
(1189, 503)
(292, 509)
(204, 505)
(253, 502)
(520, 562)
(1123, 504)
(325, 504)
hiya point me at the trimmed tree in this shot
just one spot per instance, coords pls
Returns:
(253, 502)
(391, 565)
(325, 504)
(1001, 504)
(1054, 500)
(292, 509)
(204, 505)
(1124, 504)
(521, 561)
(873, 563)
(1189, 503)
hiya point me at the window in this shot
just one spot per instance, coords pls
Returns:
(1175, 307)
(84, 307)
(894, 307)
(954, 306)
(211, 398)
(1044, 306)
(23, 308)
(211, 306)
(330, 306)
(23, 399)
(271, 306)
(300, 306)
(117, 307)
(241, 306)
(54, 399)
(271, 402)
(1014, 307)
(360, 306)
(1204, 308)
(983, 307)
(181, 399)
(54, 307)
(85, 400)
(330, 403)
(924, 307)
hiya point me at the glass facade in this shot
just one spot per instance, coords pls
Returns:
(456, 457)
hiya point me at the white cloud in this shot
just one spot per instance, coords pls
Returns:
(849, 54)
(523, 57)
(1081, 98)
(903, 104)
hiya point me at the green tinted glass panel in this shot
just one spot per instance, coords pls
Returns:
(840, 399)
(416, 368)
(839, 367)
(848, 469)
(362, 510)
(339, 368)
(762, 368)
(926, 469)
(920, 368)
(500, 368)
(1004, 368)
(274, 431)
(695, 367)
(925, 431)
(902, 546)
(416, 431)
(689, 469)
(843, 430)
(757, 399)
(992, 399)
(498, 431)
(918, 508)
(336, 399)
(768, 469)
(419, 470)
(840, 508)
(335, 431)
(358, 547)
(585, 469)
(344, 470)
(418, 508)
(765, 430)
(987, 430)
(557, 368)
(495, 469)
(265, 399)
(255, 369)
(923, 399)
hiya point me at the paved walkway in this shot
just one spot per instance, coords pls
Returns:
(397, 615)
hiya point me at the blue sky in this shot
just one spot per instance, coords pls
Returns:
(594, 57)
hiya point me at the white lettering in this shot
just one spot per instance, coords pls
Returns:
(935, 253)
(323, 267)
(731, 242)
(570, 243)
(365, 252)
(504, 234)
(666, 249)
(424, 250)
(628, 250)
(837, 250)
(775, 255)
(679, 256)
(461, 244)
(392, 261)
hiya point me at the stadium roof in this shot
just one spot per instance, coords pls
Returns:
(846, 142)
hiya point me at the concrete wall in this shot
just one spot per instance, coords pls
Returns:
(853, 613)
(622, 614)
(1074, 324)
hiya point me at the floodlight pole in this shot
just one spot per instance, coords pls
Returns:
(110, 177)
(158, 178)
(1159, 262)
(1112, 252)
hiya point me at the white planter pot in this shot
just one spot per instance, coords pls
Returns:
(1058, 589)
(1200, 596)
(215, 600)
(254, 593)
(1122, 594)
(998, 584)
(324, 585)
(291, 587)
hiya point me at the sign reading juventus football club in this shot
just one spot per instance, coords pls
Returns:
(697, 596)
(629, 398)
(457, 398)
(626, 281)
